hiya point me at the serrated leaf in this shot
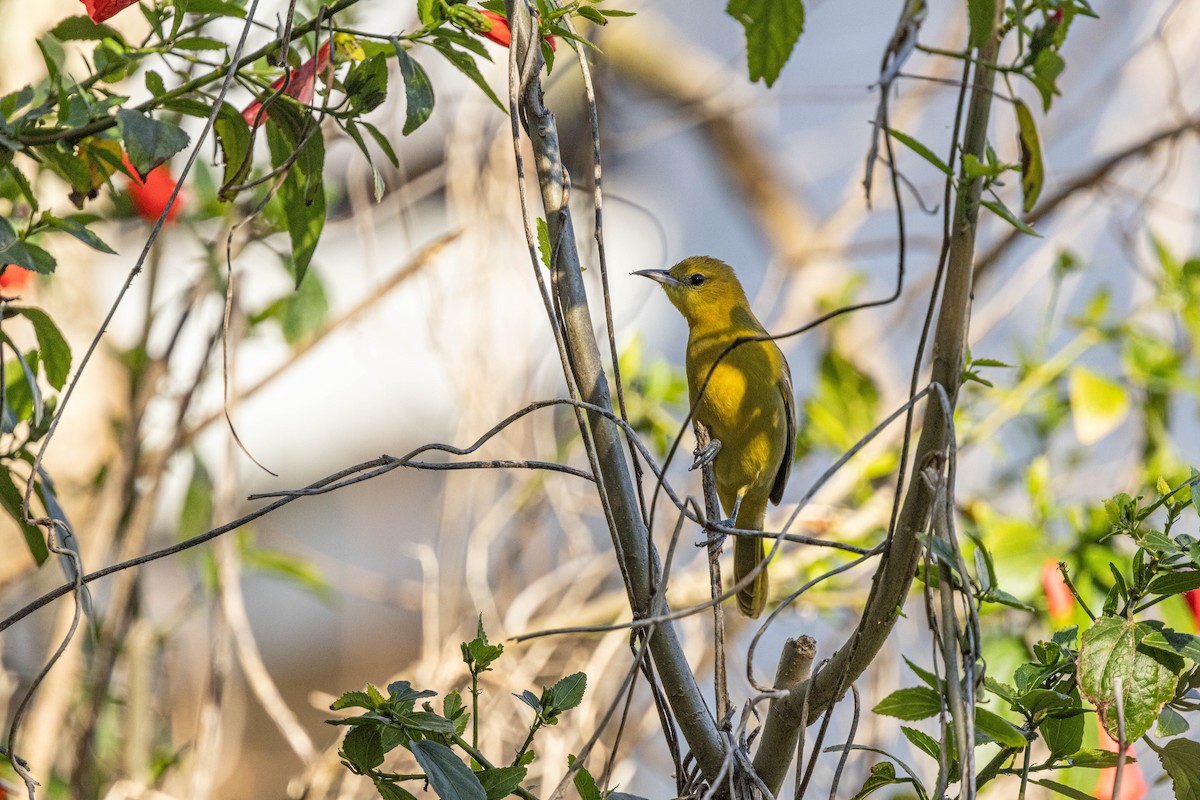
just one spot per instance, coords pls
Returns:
(567, 693)
(1033, 172)
(81, 28)
(585, 784)
(881, 775)
(1098, 405)
(921, 150)
(149, 142)
(911, 704)
(362, 747)
(1181, 760)
(772, 29)
(500, 782)
(922, 741)
(1093, 758)
(391, 791)
(1174, 582)
(426, 721)
(353, 700)
(543, 240)
(931, 680)
(1113, 649)
(1184, 644)
(449, 777)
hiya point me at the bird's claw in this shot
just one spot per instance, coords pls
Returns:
(705, 455)
(715, 536)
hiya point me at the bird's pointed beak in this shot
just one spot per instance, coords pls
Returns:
(659, 275)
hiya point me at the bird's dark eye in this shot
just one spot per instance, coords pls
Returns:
(696, 279)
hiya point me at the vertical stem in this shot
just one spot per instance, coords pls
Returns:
(618, 493)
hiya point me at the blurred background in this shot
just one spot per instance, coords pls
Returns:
(420, 323)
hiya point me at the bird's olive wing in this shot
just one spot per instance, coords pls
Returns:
(789, 446)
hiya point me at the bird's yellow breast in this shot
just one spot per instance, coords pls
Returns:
(744, 408)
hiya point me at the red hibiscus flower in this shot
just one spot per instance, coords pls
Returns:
(100, 10)
(301, 85)
(500, 32)
(1193, 601)
(14, 278)
(1059, 600)
(1133, 783)
(150, 196)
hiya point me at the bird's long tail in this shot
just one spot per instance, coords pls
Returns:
(748, 552)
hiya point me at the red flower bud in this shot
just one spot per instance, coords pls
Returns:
(301, 85)
(500, 32)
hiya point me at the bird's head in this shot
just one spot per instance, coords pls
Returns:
(704, 289)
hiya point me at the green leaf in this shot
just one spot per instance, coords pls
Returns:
(79, 231)
(1112, 649)
(1002, 211)
(585, 784)
(302, 193)
(1033, 172)
(882, 774)
(1184, 644)
(52, 345)
(11, 499)
(197, 513)
(366, 84)
(219, 7)
(199, 43)
(449, 777)
(390, 791)
(81, 28)
(1170, 723)
(1098, 404)
(233, 137)
(1063, 789)
(362, 747)
(543, 239)
(772, 29)
(921, 150)
(351, 128)
(1181, 760)
(913, 703)
(14, 250)
(1095, 759)
(149, 142)
(353, 700)
(465, 64)
(426, 721)
(382, 141)
(998, 729)
(568, 692)
(292, 568)
(500, 782)
(1174, 582)
(1046, 68)
(982, 14)
(1063, 734)
(300, 314)
(922, 741)
(418, 92)
(931, 680)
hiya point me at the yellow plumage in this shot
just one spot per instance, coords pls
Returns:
(747, 404)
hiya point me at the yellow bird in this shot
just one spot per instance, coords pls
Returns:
(747, 404)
